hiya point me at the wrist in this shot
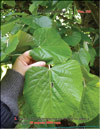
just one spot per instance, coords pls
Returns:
(18, 71)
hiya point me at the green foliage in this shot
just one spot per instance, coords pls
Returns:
(92, 52)
(90, 99)
(55, 32)
(34, 7)
(83, 57)
(9, 3)
(85, 38)
(8, 27)
(51, 91)
(37, 22)
(73, 39)
(49, 46)
(9, 47)
(63, 4)
(25, 41)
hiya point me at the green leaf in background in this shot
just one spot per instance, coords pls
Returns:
(85, 38)
(43, 21)
(55, 92)
(37, 22)
(34, 7)
(16, 28)
(3, 46)
(92, 55)
(63, 4)
(89, 29)
(50, 47)
(73, 39)
(25, 41)
(8, 27)
(83, 57)
(29, 20)
(12, 44)
(89, 105)
(10, 3)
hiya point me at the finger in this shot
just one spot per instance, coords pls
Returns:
(26, 54)
(25, 57)
(40, 63)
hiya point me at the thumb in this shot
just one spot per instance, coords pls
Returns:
(40, 63)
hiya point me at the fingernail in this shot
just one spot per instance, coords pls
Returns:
(43, 63)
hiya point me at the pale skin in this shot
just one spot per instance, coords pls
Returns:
(24, 62)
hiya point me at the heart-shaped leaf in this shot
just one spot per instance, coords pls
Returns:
(54, 92)
(50, 47)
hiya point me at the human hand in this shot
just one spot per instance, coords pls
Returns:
(24, 62)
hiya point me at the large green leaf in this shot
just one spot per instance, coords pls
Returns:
(89, 105)
(73, 39)
(37, 22)
(55, 92)
(49, 46)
